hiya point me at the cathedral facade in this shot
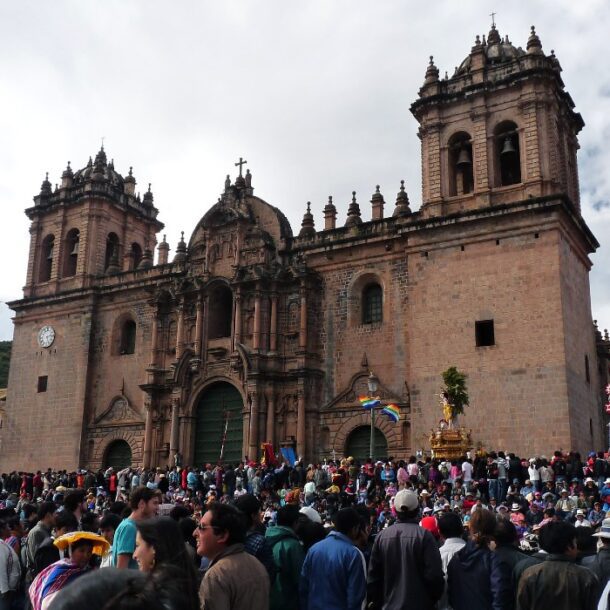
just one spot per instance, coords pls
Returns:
(250, 333)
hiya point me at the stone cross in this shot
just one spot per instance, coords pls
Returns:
(240, 163)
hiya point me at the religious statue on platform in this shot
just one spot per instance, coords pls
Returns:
(454, 396)
(449, 441)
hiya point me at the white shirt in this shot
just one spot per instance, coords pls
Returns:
(448, 550)
(534, 474)
(467, 470)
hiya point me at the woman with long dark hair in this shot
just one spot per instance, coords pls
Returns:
(160, 549)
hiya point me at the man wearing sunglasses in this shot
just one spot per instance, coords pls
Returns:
(234, 580)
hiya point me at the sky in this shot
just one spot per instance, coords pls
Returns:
(315, 95)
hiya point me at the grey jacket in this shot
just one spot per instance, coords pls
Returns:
(405, 570)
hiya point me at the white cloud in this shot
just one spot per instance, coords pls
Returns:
(315, 95)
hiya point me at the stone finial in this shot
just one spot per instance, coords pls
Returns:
(67, 177)
(129, 183)
(606, 336)
(330, 214)
(148, 197)
(353, 213)
(377, 204)
(180, 255)
(248, 179)
(534, 46)
(163, 249)
(308, 225)
(431, 72)
(554, 61)
(227, 183)
(402, 202)
(46, 188)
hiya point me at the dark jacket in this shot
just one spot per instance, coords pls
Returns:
(477, 580)
(509, 556)
(599, 564)
(405, 569)
(557, 583)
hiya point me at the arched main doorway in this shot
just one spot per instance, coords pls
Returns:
(219, 419)
(118, 455)
(359, 442)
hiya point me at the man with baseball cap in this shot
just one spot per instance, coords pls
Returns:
(405, 569)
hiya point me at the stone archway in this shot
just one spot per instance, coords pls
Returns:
(118, 455)
(218, 425)
(357, 444)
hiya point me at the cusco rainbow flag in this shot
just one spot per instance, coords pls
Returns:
(392, 411)
(368, 402)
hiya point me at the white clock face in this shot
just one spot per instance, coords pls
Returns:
(46, 336)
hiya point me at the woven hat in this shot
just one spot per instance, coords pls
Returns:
(604, 530)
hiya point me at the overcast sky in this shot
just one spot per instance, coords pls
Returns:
(314, 94)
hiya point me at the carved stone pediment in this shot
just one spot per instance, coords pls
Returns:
(120, 412)
(358, 386)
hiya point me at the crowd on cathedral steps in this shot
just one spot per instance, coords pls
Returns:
(487, 531)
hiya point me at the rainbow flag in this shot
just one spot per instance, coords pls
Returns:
(392, 411)
(368, 402)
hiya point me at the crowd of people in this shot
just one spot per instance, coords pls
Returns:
(484, 531)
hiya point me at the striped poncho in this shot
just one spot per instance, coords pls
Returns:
(52, 579)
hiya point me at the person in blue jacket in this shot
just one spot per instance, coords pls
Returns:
(334, 572)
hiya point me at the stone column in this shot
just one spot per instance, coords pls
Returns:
(303, 317)
(301, 425)
(180, 331)
(187, 437)
(256, 336)
(273, 324)
(270, 431)
(148, 430)
(253, 437)
(198, 324)
(174, 441)
(237, 318)
(154, 338)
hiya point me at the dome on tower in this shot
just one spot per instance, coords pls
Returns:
(103, 171)
(497, 50)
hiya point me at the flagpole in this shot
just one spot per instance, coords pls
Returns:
(373, 384)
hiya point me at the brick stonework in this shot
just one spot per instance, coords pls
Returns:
(280, 317)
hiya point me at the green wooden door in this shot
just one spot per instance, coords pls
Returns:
(118, 455)
(220, 405)
(359, 442)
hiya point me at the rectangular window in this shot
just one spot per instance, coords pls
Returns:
(484, 333)
(42, 383)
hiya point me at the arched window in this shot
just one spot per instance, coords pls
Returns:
(46, 258)
(112, 250)
(221, 312)
(128, 338)
(71, 252)
(136, 255)
(461, 180)
(372, 304)
(507, 153)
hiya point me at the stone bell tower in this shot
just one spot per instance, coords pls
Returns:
(501, 129)
(93, 224)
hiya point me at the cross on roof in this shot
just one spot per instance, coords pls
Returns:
(493, 19)
(240, 163)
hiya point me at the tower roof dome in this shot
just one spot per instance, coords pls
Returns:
(497, 50)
